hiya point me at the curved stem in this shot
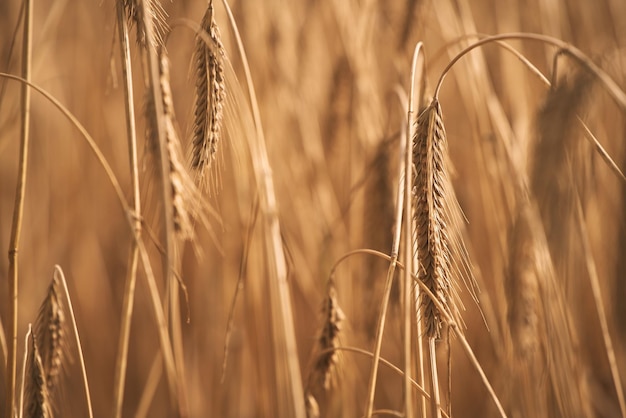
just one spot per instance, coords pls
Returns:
(588, 134)
(448, 319)
(612, 88)
(152, 287)
(385, 362)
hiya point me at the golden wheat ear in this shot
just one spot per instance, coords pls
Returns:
(187, 201)
(522, 287)
(432, 217)
(328, 339)
(208, 62)
(36, 396)
(50, 331)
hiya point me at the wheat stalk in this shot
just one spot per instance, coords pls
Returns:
(210, 96)
(131, 279)
(18, 212)
(282, 315)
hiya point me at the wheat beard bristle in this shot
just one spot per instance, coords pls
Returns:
(134, 13)
(433, 240)
(210, 96)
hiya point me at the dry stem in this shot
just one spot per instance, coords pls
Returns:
(18, 211)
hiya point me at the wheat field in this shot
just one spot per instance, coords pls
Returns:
(205, 210)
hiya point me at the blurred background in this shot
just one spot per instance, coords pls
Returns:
(326, 75)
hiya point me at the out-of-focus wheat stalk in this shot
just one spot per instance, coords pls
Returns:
(131, 277)
(282, 313)
(18, 212)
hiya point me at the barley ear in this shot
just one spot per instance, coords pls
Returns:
(51, 332)
(187, 202)
(522, 287)
(36, 394)
(208, 62)
(328, 339)
(431, 218)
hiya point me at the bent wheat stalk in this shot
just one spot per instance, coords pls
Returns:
(155, 299)
(446, 316)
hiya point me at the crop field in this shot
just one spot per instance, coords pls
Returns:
(301, 209)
